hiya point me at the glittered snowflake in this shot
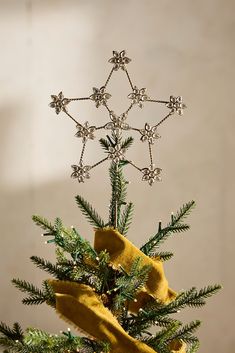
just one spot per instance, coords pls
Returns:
(99, 96)
(176, 105)
(117, 122)
(119, 60)
(138, 96)
(58, 102)
(116, 153)
(149, 134)
(85, 131)
(80, 172)
(151, 174)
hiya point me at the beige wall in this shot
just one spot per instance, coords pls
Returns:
(178, 47)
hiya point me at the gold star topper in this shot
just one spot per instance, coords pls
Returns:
(114, 146)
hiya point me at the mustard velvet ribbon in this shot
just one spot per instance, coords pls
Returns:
(177, 346)
(123, 252)
(81, 306)
(78, 304)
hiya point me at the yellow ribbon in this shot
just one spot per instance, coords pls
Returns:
(78, 304)
(123, 252)
(177, 346)
(81, 306)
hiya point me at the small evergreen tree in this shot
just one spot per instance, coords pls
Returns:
(128, 305)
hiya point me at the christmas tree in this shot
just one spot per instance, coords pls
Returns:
(114, 293)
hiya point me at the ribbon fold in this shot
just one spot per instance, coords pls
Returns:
(123, 252)
(78, 304)
(81, 306)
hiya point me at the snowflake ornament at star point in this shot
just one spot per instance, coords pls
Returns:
(176, 105)
(149, 133)
(99, 96)
(119, 60)
(80, 172)
(85, 131)
(151, 174)
(138, 96)
(58, 102)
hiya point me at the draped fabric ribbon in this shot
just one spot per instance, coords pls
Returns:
(78, 304)
(81, 306)
(123, 252)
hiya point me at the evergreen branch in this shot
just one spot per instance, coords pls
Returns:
(14, 333)
(47, 266)
(49, 294)
(165, 321)
(119, 192)
(191, 298)
(178, 228)
(126, 217)
(77, 246)
(184, 211)
(33, 300)
(185, 333)
(127, 142)
(193, 347)
(175, 226)
(43, 223)
(155, 312)
(164, 335)
(13, 345)
(163, 255)
(89, 212)
(27, 287)
(58, 225)
(130, 283)
(105, 144)
(36, 295)
(208, 291)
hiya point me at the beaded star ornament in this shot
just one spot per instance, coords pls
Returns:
(114, 146)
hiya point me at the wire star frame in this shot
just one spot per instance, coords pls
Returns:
(116, 150)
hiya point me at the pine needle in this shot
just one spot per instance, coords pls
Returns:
(88, 211)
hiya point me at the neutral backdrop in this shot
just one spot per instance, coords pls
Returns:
(180, 47)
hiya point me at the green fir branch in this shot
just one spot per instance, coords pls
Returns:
(163, 255)
(43, 223)
(36, 295)
(127, 142)
(163, 336)
(155, 312)
(125, 219)
(47, 266)
(88, 211)
(119, 193)
(77, 246)
(15, 333)
(175, 226)
(193, 347)
(186, 332)
(191, 298)
(128, 284)
(184, 211)
(27, 287)
(105, 144)
(14, 346)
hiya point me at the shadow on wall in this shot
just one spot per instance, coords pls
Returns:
(20, 238)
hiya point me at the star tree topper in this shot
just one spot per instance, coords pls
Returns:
(114, 146)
